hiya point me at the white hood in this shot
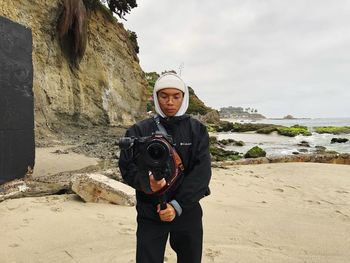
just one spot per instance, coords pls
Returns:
(171, 80)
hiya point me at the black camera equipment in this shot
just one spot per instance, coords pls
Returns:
(155, 154)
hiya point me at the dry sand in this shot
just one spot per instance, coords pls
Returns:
(294, 212)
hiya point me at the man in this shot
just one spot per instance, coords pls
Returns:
(182, 217)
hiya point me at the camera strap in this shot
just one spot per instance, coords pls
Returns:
(179, 168)
(159, 125)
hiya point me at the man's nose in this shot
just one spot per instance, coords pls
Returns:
(170, 101)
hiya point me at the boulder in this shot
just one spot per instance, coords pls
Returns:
(211, 117)
(339, 140)
(304, 144)
(98, 188)
(255, 152)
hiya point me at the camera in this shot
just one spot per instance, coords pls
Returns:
(155, 154)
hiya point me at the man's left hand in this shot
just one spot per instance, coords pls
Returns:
(168, 214)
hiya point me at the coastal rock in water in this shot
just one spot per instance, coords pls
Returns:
(228, 142)
(320, 149)
(98, 188)
(302, 150)
(304, 144)
(333, 158)
(339, 140)
(219, 154)
(255, 152)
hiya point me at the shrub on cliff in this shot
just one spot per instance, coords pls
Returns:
(133, 39)
(196, 106)
(121, 7)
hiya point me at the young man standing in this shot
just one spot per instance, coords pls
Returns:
(182, 217)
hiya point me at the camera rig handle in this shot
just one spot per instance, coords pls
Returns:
(162, 202)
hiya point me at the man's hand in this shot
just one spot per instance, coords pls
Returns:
(168, 214)
(156, 185)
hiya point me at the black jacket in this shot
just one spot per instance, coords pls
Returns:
(192, 144)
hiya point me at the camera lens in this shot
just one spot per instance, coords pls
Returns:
(157, 151)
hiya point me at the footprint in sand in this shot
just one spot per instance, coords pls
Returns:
(212, 254)
(14, 245)
(345, 217)
(26, 222)
(258, 244)
(126, 231)
(290, 186)
(56, 209)
(313, 202)
(100, 216)
(342, 192)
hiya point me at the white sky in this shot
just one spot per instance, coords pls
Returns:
(280, 57)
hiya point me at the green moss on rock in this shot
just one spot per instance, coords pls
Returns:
(294, 131)
(333, 129)
(255, 152)
(219, 154)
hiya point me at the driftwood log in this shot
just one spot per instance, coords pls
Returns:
(91, 187)
(41, 186)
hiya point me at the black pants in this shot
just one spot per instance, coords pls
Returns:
(186, 236)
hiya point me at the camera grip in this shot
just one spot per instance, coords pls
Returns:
(162, 202)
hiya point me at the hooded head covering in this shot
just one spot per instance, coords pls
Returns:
(171, 80)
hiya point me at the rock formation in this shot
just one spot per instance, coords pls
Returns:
(109, 86)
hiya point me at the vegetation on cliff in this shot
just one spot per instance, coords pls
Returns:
(121, 7)
(72, 25)
(72, 30)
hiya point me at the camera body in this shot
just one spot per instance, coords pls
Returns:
(153, 153)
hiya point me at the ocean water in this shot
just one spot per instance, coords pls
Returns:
(317, 122)
(276, 145)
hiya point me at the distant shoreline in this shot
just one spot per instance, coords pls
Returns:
(288, 118)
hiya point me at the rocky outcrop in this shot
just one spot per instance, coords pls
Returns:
(109, 86)
(339, 140)
(313, 158)
(255, 152)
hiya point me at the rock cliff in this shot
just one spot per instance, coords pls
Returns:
(109, 88)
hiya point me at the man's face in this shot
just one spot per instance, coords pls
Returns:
(170, 101)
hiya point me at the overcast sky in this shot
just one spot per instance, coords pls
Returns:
(280, 57)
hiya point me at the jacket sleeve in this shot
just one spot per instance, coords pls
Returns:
(130, 173)
(196, 182)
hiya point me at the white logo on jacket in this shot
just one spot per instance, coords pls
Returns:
(185, 143)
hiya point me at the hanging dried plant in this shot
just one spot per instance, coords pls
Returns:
(72, 30)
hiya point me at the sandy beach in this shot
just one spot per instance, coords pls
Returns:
(291, 212)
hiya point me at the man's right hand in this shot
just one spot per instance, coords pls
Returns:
(156, 185)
